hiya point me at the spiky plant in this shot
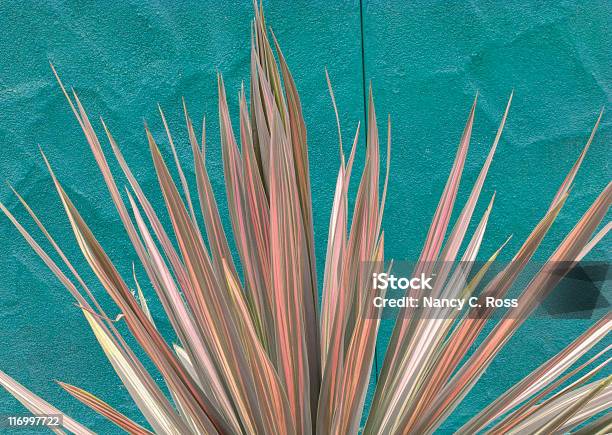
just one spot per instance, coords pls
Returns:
(255, 353)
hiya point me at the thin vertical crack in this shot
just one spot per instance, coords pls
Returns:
(365, 118)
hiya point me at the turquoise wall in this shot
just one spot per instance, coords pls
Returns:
(426, 60)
